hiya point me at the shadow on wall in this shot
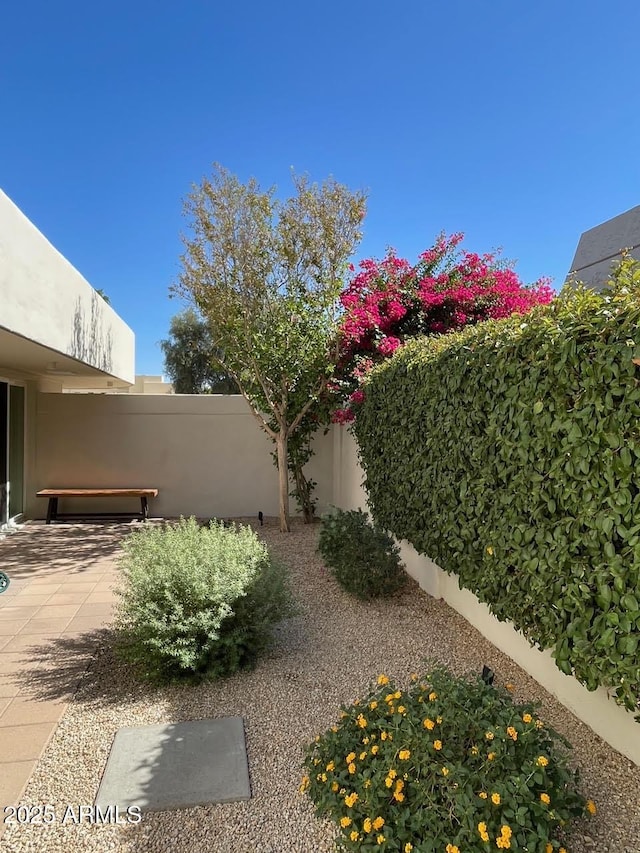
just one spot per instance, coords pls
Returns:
(90, 343)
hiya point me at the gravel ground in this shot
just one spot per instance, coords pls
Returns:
(326, 655)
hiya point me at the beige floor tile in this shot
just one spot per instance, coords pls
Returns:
(79, 586)
(44, 586)
(9, 686)
(25, 642)
(14, 612)
(64, 597)
(26, 598)
(24, 710)
(11, 662)
(54, 611)
(104, 597)
(96, 609)
(85, 624)
(10, 627)
(5, 701)
(46, 626)
(13, 779)
(24, 743)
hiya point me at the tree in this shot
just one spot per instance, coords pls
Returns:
(189, 358)
(389, 301)
(266, 275)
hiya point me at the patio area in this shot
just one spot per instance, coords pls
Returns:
(60, 594)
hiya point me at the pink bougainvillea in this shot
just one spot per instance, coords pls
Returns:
(390, 300)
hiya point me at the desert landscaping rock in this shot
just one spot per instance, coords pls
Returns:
(327, 655)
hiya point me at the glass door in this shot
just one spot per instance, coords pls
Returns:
(15, 462)
(4, 453)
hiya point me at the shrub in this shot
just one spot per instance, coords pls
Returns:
(363, 558)
(508, 453)
(450, 764)
(197, 601)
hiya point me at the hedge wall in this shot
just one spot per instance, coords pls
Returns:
(510, 454)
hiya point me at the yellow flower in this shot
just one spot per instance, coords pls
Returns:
(350, 757)
(428, 724)
(513, 734)
(304, 784)
(378, 823)
(367, 824)
(392, 710)
(404, 754)
(397, 694)
(389, 698)
(323, 777)
(474, 750)
(539, 724)
(334, 786)
(392, 774)
(383, 735)
(548, 848)
(373, 705)
(362, 756)
(351, 768)
(361, 721)
(541, 761)
(591, 807)
(489, 550)
(374, 749)
(452, 848)
(351, 799)
(316, 761)
(527, 718)
(414, 676)
(489, 735)
(398, 795)
(382, 679)
(506, 831)
(365, 740)
(367, 783)
(433, 696)
(445, 771)
(495, 799)
(408, 847)
(343, 714)
(334, 729)
(546, 799)
(380, 839)
(330, 766)
(503, 843)
(482, 829)
(317, 738)
(399, 784)
(483, 795)
(388, 781)
(354, 835)
(562, 850)
(345, 822)
(510, 686)
(491, 756)
(437, 744)
(402, 709)
(438, 720)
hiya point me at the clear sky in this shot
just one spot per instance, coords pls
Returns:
(515, 122)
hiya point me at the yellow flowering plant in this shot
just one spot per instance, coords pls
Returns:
(430, 786)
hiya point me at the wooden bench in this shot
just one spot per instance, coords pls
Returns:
(55, 494)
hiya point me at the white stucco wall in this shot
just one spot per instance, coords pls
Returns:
(599, 248)
(613, 723)
(44, 299)
(206, 454)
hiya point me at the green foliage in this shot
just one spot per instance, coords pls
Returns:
(198, 602)
(363, 558)
(266, 275)
(450, 764)
(509, 453)
(190, 358)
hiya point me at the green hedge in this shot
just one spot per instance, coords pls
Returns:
(510, 454)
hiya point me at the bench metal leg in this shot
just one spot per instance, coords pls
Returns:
(52, 510)
(144, 507)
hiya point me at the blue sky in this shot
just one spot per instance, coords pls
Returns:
(514, 122)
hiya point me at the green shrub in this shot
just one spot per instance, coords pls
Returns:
(363, 558)
(509, 454)
(197, 601)
(450, 764)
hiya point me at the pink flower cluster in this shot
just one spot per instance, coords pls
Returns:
(388, 301)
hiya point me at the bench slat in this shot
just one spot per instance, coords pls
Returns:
(97, 493)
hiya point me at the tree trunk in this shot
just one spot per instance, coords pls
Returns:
(283, 480)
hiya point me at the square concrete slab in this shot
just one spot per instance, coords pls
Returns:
(176, 766)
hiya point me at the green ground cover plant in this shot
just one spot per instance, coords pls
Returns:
(508, 453)
(197, 602)
(363, 558)
(449, 765)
